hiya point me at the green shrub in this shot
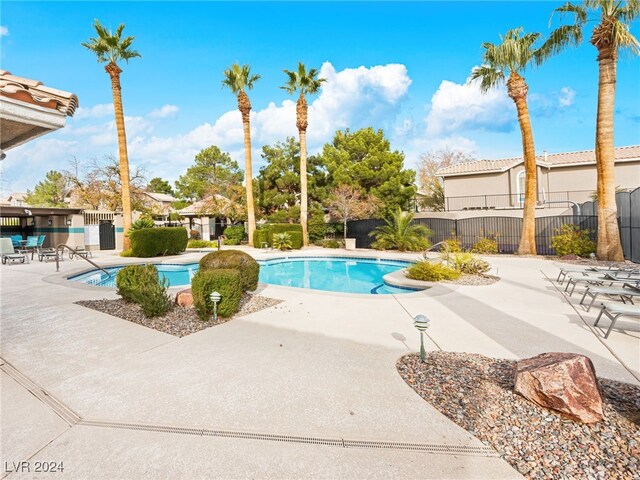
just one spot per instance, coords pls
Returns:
(316, 228)
(465, 262)
(246, 265)
(274, 228)
(153, 242)
(571, 240)
(200, 244)
(234, 234)
(126, 253)
(331, 243)
(140, 284)
(143, 222)
(399, 233)
(431, 272)
(282, 241)
(260, 237)
(485, 245)
(296, 240)
(226, 282)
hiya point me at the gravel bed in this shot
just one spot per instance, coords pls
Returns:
(476, 280)
(476, 392)
(178, 321)
(587, 262)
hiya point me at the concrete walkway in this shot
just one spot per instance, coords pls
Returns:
(285, 392)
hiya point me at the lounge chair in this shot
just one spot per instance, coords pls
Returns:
(625, 293)
(41, 240)
(8, 253)
(615, 310)
(16, 241)
(598, 279)
(30, 247)
(81, 252)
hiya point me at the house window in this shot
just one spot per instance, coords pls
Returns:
(520, 187)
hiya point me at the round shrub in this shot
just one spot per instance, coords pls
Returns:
(331, 243)
(140, 284)
(431, 272)
(153, 242)
(226, 282)
(234, 234)
(246, 265)
(571, 240)
(200, 244)
(487, 246)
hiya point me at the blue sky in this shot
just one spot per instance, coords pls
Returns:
(398, 66)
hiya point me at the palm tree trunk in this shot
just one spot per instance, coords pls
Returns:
(609, 246)
(245, 107)
(303, 187)
(114, 72)
(518, 92)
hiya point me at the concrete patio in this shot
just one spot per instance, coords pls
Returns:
(285, 392)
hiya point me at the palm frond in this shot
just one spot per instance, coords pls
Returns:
(489, 77)
(561, 38)
(302, 80)
(579, 12)
(623, 38)
(238, 78)
(630, 11)
(110, 47)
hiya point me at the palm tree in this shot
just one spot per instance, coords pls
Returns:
(238, 78)
(512, 56)
(110, 48)
(399, 233)
(307, 84)
(609, 35)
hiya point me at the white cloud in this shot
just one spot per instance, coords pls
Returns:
(165, 111)
(4, 31)
(456, 107)
(97, 111)
(566, 97)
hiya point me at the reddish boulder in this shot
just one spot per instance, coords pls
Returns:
(565, 382)
(184, 298)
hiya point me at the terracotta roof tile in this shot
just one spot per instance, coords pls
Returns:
(33, 91)
(551, 160)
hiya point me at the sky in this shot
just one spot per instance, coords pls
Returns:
(402, 67)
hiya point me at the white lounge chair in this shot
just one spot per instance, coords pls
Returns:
(615, 310)
(625, 293)
(8, 253)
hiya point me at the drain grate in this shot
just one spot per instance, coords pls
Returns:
(41, 394)
(417, 447)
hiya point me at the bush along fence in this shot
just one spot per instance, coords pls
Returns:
(506, 230)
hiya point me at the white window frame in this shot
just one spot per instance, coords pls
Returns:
(521, 188)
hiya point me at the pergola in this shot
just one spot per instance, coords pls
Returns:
(29, 109)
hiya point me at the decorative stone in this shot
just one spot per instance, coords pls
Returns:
(565, 382)
(184, 298)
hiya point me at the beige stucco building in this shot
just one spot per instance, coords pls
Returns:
(563, 178)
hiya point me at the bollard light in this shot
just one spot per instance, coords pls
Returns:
(592, 256)
(421, 322)
(215, 298)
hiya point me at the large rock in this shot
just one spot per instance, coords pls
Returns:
(184, 298)
(565, 382)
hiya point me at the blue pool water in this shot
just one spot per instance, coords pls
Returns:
(349, 275)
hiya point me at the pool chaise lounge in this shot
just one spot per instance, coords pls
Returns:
(626, 293)
(8, 253)
(600, 279)
(615, 310)
(591, 269)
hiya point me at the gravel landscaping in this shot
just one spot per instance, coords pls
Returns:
(475, 280)
(476, 392)
(178, 321)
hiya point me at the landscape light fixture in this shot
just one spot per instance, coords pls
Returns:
(68, 222)
(421, 322)
(215, 298)
(592, 256)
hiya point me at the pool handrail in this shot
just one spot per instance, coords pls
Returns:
(75, 251)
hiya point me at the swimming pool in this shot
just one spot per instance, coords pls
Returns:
(333, 274)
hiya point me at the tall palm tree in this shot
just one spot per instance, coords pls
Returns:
(110, 48)
(609, 35)
(238, 78)
(307, 84)
(512, 56)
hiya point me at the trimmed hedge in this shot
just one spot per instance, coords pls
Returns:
(153, 242)
(431, 272)
(266, 232)
(259, 237)
(140, 284)
(234, 234)
(226, 282)
(246, 265)
(296, 240)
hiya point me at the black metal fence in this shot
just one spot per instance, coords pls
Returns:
(506, 230)
(628, 204)
(515, 201)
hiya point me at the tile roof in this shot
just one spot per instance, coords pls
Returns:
(550, 160)
(215, 204)
(35, 92)
(161, 197)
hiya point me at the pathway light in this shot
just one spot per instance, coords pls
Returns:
(421, 322)
(215, 298)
